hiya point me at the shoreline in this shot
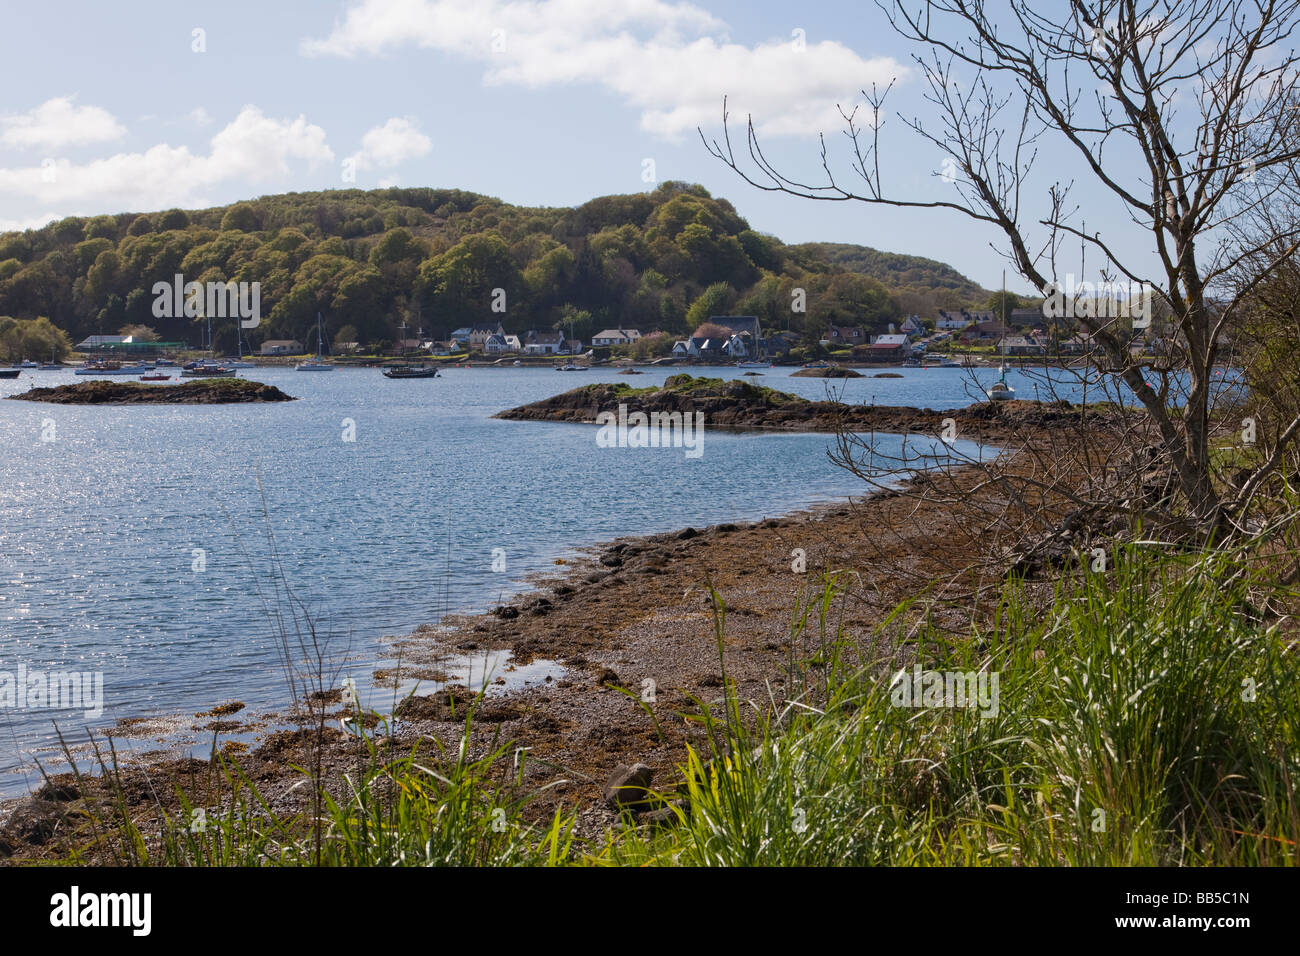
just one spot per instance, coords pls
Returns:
(626, 611)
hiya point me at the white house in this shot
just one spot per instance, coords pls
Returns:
(912, 325)
(513, 344)
(953, 321)
(480, 332)
(681, 348)
(615, 337)
(494, 344)
(544, 343)
(281, 347)
(738, 346)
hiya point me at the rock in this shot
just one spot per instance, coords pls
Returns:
(538, 606)
(686, 534)
(507, 612)
(33, 821)
(667, 816)
(611, 561)
(628, 787)
(595, 577)
(58, 792)
(607, 676)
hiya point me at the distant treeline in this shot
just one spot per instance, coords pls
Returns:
(432, 258)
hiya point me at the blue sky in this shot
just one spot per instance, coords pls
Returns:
(109, 107)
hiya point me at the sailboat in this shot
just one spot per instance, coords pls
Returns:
(238, 362)
(319, 364)
(1000, 391)
(207, 368)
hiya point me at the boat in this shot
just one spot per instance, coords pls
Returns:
(112, 368)
(570, 367)
(165, 362)
(518, 363)
(318, 364)
(240, 361)
(155, 378)
(1000, 390)
(10, 372)
(752, 365)
(50, 366)
(28, 363)
(411, 371)
(206, 369)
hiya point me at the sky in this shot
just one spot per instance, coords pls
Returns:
(147, 105)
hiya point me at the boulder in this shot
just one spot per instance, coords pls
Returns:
(628, 787)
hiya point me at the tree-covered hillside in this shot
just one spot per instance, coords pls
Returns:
(432, 258)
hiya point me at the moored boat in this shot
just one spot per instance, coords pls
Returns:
(10, 372)
(318, 364)
(411, 371)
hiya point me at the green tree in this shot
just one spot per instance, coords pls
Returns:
(715, 300)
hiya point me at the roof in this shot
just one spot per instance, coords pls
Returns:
(617, 333)
(281, 342)
(737, 323)
(889, 341)
(545, 338)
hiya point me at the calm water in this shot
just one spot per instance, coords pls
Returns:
(134, 542)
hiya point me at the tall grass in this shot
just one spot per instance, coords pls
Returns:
(1148, 716)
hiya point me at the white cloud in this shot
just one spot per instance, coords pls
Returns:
(199, 117)
(35, 222)
(671, 60)
(58, 123)
(252, 148)
(389, 145)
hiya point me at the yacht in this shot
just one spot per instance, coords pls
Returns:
(318, 364)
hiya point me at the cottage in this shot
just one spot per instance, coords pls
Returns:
(894, 347)
(681, 348)
(544, 343)
(954, 321)
(281, 347)
(1020, 345)
(1080, 344)
(494, 344)
(841, 337)
(480, 332)
(912, 326)
(702, 347)
(513, 344)
(779, 343)
(740, 346)
(984, 333)
(608, 337)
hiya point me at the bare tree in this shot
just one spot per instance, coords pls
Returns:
(1171, 107)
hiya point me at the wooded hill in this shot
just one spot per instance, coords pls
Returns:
(369, 260)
